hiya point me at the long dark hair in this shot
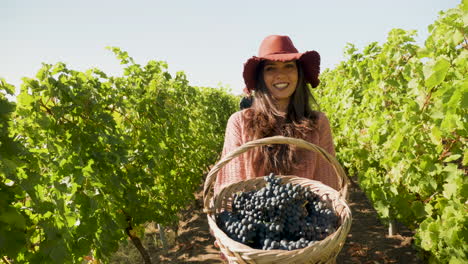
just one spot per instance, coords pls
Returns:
(264, 119)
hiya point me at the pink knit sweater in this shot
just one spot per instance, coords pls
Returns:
(241, 168)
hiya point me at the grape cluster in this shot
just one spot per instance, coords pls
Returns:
(278, 216)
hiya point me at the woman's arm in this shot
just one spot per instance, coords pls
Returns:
(232, 140)
(324, 171)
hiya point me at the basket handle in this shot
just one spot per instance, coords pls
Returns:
(211, 177)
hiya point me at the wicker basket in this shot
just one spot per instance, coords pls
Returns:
(324, 251)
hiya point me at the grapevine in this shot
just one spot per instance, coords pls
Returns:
(99, 156)
(399, 118)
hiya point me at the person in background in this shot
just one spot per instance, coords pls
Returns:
(246, 102)
(278, 80)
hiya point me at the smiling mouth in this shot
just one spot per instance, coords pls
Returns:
(281, 85)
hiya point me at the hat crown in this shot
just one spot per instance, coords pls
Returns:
(276, 44)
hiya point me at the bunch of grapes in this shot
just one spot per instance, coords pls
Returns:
(278, 216)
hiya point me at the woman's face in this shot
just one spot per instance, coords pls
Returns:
(280, 79)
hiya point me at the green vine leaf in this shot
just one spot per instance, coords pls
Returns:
(435, 72)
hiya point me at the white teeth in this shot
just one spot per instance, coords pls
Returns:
(281, 85)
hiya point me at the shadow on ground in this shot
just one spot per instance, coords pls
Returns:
(367, 241)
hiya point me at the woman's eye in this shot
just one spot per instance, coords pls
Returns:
(269, 68)
(290, 65)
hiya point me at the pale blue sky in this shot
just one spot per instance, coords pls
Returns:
(208, 40)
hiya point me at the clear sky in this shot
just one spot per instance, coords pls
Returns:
(207, 39)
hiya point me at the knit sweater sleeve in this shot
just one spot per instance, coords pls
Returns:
(235, 170)
(324, 171)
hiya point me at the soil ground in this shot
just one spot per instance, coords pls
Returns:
(367, 241)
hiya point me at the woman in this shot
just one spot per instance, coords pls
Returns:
(278, 78)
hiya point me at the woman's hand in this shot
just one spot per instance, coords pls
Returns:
(221, 255)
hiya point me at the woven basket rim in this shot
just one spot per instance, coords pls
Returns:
(212, 175)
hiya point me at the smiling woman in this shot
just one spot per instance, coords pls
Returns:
(279, 80)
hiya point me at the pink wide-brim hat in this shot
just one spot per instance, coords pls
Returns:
(281, 48)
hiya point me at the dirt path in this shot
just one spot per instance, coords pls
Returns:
(367, 241)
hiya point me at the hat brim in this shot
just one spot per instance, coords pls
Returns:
(309, 60)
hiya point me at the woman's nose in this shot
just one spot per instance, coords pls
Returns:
(280, 73)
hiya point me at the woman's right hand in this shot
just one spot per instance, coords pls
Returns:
(216, 244)
(221, 255)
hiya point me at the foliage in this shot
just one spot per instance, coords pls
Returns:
(13, 217)
(400, 122)
(102, 155)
